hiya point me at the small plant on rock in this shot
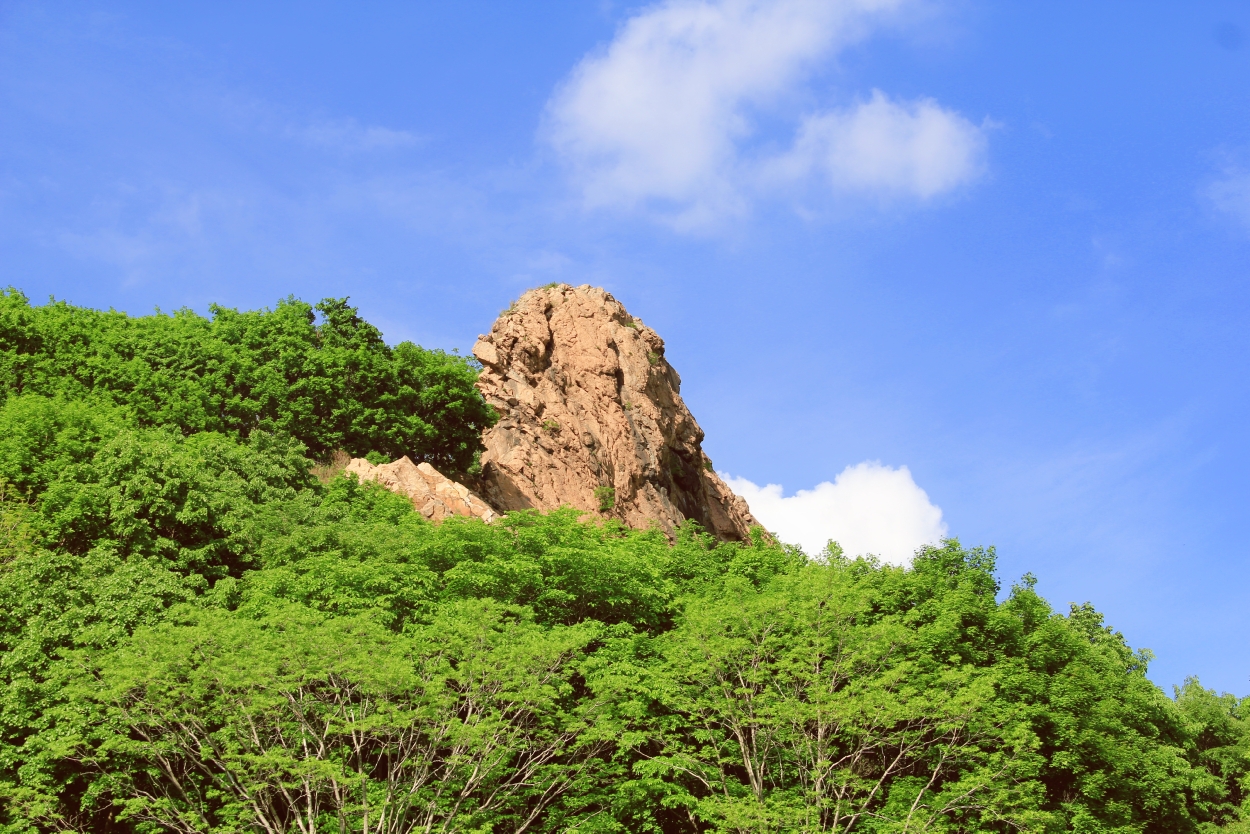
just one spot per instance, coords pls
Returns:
(551, 425)
(606, 496)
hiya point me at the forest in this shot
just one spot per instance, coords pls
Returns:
(205, 628)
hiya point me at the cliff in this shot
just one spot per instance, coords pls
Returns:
(591, 416)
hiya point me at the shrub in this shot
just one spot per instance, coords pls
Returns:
(606, 496)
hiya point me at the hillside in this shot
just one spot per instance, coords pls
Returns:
(207, 625)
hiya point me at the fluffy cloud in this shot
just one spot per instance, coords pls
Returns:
(869, 508)
(663, 116)
(912, 149)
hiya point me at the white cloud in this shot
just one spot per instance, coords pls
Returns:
(869, 508)
(1231, 194)
(351, 136)
(662, 117)
(917, 149)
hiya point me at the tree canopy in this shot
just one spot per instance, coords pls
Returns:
(331, 383)
(196, 635)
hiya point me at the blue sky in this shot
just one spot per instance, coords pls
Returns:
(1005, 246)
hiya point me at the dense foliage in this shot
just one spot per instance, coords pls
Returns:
(196, 635)
(332, 385)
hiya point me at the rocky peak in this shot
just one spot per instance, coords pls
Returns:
(591, 417)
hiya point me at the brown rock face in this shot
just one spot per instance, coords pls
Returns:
(591, 417)
(433, 495)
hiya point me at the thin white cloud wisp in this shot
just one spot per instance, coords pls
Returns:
(1231, 194)
(868, 509)
(663, 118)
(351, 136)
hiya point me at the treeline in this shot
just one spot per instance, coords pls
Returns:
(332, 384)
(197, 635)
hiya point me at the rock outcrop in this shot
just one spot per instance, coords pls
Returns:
(433, 495)
(591, 417)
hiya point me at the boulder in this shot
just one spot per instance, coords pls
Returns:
(433, 495)
(591, 417)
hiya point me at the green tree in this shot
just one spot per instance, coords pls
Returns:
(332, 384)
(295, 722)
(154, 492)
(799, 705)
(54, 607)
(1218, 744)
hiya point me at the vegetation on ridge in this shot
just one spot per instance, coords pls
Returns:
(198, 636)
(331, 384)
